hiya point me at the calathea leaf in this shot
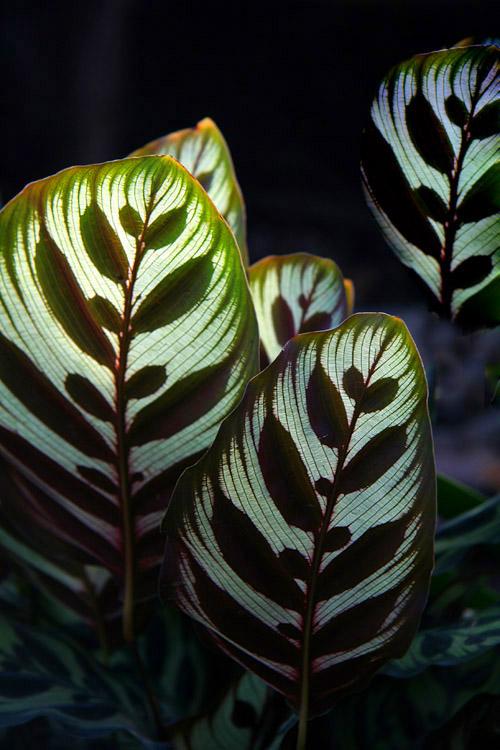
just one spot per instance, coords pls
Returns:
(450, 645)
(458, 536)
(295, 294)
(204, 153)
(53, 567)
(45, 674)
(430, 169)
(303, 539)
(454, 498)
(128, 333)
(400, 714)
(245, 719)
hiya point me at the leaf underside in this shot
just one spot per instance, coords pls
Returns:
(127, 335)
(303, 539)
(203, 151)
(294, 294)
(431, 173)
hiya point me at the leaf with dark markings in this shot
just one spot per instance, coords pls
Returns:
(247, 718)
(338, 506)
(146, 381)
(428, 135)
(295, 294)
(102, 244)
(456, 110)
(449, 645)
(96, 264)
(430, 171)
(203, 151)
(326, 409)
(105, 313)
(46, 674)
(175, 296)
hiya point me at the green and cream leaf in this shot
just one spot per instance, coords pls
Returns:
(294, 294)
(303, 539)
(431, 173)
(128, 334)
(204, 153)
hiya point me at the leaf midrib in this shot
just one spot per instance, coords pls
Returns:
(452, 223)
(122, 448)
(318, 549)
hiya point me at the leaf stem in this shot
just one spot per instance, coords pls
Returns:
(303, 716)
(122, 446)
(318, 554)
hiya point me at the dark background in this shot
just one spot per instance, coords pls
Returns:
(290, 85)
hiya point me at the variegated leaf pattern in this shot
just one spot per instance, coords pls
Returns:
(450, 645)
(54, 567)
(294, 294)
(45, 674)
(303, 539)
(205, 153)
(431, 172)
(128, 334)
(245, 719)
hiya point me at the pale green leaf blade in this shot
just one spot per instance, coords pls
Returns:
(431, 173)
(303, 539)
(205, 153)
(101, 411)
(297, 293)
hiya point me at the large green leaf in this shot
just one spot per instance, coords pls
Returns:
(128, 334)
(431, 172)
(451, 644)
(303, 539)
(295, 294)
(204, 153)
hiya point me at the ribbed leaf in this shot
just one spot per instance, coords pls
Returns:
(303, 538)
(294, 294)
(430, 169)
(243, 720)
(102, 418)
(204, 153)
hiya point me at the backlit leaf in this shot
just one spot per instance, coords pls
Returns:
(431, 173)
(297, 293)
(204, 153)
(303, 539)
(100, 411)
